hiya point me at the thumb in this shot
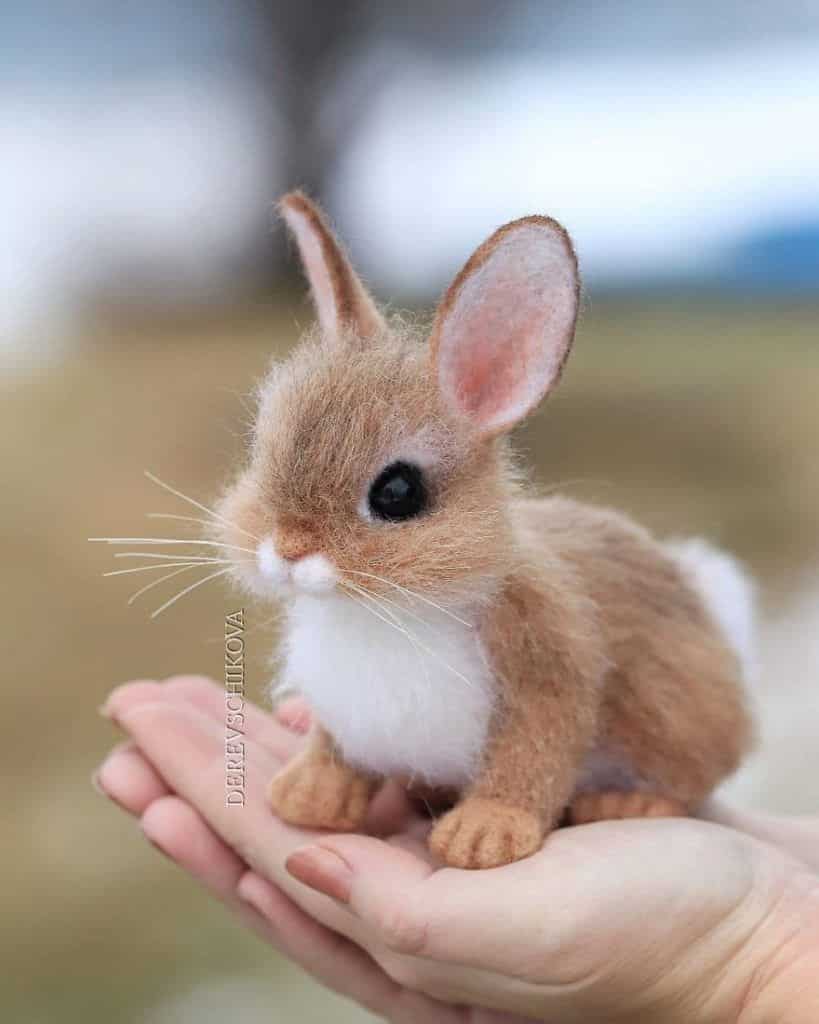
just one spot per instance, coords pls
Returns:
(473, 918)
(378, 882)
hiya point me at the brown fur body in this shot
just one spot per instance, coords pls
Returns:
(616, 692)
(603, 648)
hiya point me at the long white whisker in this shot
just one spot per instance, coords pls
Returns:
(378, 601)
(401, 608)
(410, 636)
(155, 583)
(184, 519)
(264, 624)
(170, 540)
(412, 593)
(198, 504)
(187, 556)
(147, 568)
(372, 611)
(381, 602)
(187, 590)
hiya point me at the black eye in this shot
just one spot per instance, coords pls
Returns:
(398, 492)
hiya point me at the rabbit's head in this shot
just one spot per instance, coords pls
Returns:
(379, 459)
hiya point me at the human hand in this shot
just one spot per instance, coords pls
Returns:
(663, 920)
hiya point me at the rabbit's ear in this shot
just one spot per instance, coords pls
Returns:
(340, 297)
(504, 329)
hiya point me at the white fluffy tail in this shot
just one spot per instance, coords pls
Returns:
(728, 592)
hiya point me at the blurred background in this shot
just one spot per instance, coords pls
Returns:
(145, 286)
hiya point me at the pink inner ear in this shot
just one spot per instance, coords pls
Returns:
(491, 377)
(315, 266)
(507, 332)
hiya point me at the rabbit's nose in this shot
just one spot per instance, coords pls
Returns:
(296, 541)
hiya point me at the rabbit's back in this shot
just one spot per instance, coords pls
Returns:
(647, 602)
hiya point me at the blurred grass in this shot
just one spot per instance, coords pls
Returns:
(696, 418)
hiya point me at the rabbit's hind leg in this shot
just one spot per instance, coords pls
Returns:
(615, 804)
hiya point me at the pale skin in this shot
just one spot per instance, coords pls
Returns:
(664, 921)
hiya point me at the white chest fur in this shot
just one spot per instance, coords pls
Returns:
(413, 703)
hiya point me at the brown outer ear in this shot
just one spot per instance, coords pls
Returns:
(478, 258)
(340, 297)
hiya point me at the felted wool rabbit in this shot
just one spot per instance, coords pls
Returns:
(536, 657)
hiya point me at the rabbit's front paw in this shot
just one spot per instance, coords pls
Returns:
(485, 833)
(318, 792)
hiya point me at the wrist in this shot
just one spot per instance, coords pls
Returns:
(783, 986)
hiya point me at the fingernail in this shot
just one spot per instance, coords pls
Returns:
(323, 870)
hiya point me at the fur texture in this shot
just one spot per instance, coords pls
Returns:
(409, 696)
(538, 655)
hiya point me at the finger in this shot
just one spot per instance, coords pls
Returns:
(129, 780)
(179, 832)
(294, 713)
(379, 883)
(338, 963)
(191, 747)
(234, 711)
(187, 749)
(391, 811)
(212, 700)
(470, 918)
(407, 928)
(175, 829)
(182, 835)
(797, 836)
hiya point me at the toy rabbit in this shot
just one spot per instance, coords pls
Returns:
(538, 658)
